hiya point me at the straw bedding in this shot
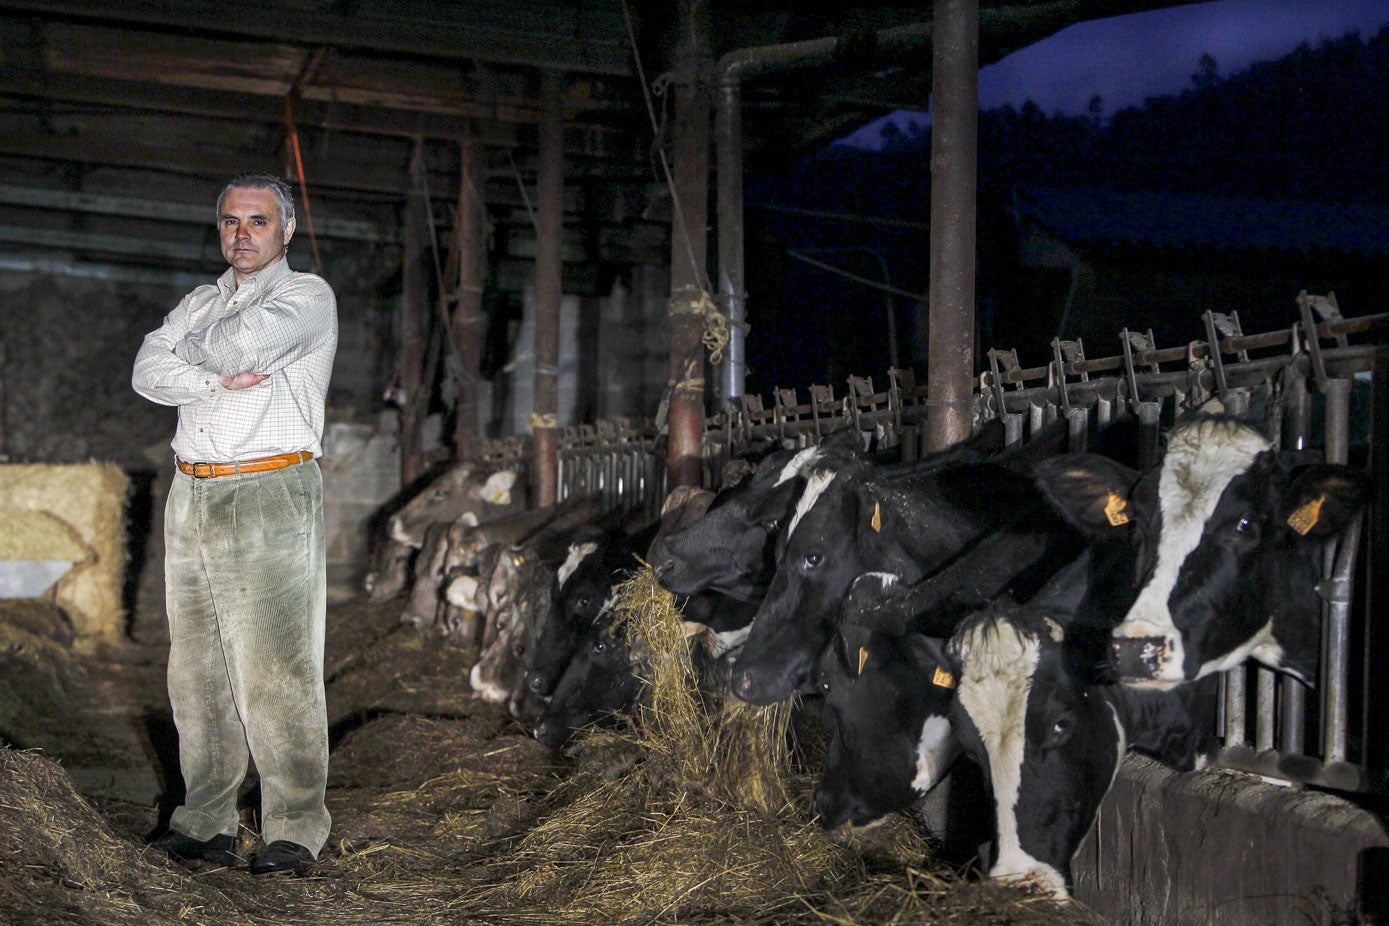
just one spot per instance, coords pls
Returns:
(446, 811)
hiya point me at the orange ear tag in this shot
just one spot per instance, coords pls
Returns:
(943, 679)
(1116, 510)
(1305, 517)
(877, 521)
(862, 658)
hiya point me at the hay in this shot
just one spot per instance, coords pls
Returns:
(89, 499)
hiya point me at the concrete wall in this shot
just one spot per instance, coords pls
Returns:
(1222, 847)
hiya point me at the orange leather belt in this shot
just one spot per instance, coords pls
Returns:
(258, 465)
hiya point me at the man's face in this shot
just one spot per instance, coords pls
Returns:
(252, 235)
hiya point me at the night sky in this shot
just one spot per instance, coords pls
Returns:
(1125, 59)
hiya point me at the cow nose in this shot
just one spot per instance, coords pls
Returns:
(1139, 657)
(535, 683)
(742, 685)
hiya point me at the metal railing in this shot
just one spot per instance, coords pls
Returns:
(1303, 377)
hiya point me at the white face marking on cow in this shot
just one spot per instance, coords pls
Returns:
(577, 553)
(999, 662)
(792, 469)
(815, 486)
(497, 488)
(886, 579)
(485, 690)
(463, 593)
(1201, 461)
(935, 751)
(1262, 646)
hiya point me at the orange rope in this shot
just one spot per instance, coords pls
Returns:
(303, 184)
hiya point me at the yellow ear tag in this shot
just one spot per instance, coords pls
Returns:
(942, 679)
(1305, 517)
(862, 658)
(877, 521)
(1116, 510)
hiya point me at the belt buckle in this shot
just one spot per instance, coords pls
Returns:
(210, 472)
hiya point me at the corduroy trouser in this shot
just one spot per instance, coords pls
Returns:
(246, 587)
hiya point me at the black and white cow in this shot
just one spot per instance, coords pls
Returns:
(732, 548)
(598, 683)
(583, 584)
(1032, 708)
(885, 680)
(1227, 534)
(858, 519)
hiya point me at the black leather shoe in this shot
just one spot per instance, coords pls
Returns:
(185, 848)
(282, 856)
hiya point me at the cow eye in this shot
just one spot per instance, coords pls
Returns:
(771, 524)
(812, 560)
(581, 604)
(501, 623)
(825, 686)
(601, 646)
(1244, 526)
(1061, 729)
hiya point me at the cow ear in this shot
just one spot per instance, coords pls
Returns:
(931, 653)
(1322, 499)
(1091, 492)
(854, 648)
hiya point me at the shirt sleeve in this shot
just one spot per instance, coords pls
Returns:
(161, 375)
(288, 324)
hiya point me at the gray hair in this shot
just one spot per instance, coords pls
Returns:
(260, 180)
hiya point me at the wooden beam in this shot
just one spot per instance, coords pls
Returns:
(587, 38)
(102, 204)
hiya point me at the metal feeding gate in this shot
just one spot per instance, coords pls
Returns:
(1310, 384)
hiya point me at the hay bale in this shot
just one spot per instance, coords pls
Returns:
(88, 500)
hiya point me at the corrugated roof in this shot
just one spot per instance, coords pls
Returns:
(1189, 220)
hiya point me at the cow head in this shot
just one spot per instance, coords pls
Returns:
(729, 550)
(887, 697)
(577, 595)
(1031, 709)
(598, 683)
(1226, 533)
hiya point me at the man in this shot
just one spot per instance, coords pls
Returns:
(247, 361)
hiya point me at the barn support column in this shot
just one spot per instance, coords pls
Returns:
(548, 271)
(689, 245)
(954, 148)
(414, 328)
(468, 325)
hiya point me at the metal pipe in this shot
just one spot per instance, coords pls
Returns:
(1336, 589)
(730, 72)
(954, 150)
(728, 141)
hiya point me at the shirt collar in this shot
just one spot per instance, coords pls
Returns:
(257, 281)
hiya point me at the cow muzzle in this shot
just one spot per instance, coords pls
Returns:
(1144, 659)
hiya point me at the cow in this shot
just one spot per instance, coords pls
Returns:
(1226, 534)
(861, 518)
(1034, 707)
(518, 595)
(580, 597)
(732, 548)
(887, 695)
(598, 683)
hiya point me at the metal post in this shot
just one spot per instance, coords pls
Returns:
(1335, 626)
(548, 276)
(728, 133)
(954, 148)
(689, 244)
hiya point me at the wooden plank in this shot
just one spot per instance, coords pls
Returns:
(586, 38)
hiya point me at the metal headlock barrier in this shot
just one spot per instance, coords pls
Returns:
(1305, 379)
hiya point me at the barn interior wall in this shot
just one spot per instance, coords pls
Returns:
(69, 340)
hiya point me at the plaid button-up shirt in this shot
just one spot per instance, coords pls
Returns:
(278, 322)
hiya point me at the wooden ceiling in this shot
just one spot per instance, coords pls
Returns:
(120, 119)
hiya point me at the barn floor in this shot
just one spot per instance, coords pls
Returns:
(444, 809)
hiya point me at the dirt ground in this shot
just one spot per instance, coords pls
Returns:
(445, 810)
